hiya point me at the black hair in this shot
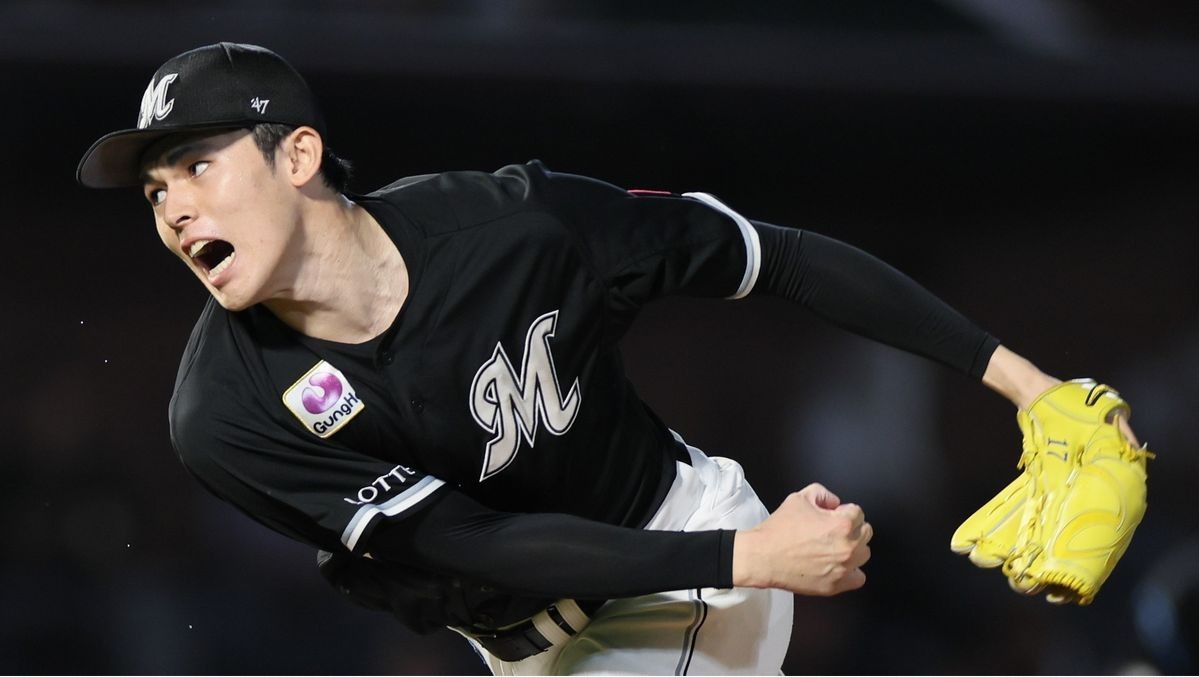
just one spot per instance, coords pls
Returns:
(335, 171)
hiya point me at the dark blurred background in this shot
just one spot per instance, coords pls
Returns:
(1033, 162)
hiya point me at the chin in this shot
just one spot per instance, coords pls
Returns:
(232, 306)
(231, 302)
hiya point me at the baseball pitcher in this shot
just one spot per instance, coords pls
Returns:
(424, 384)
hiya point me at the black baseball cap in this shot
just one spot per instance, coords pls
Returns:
(221, 86)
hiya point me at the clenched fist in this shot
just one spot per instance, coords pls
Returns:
(812, 545)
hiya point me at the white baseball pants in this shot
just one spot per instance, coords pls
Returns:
(704, 631)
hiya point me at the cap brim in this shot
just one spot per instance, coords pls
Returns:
(114, 160)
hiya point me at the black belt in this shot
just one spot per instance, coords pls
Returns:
(522, 640)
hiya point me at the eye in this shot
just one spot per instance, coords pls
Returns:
(197, 168)
(156, 196)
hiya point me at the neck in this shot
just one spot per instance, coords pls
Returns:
(349, 281)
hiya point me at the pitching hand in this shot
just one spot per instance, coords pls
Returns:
(812, 545)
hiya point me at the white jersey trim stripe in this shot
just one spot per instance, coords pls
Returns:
(393, 506)
(753, 246)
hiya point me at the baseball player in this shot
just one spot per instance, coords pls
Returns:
(424, 382)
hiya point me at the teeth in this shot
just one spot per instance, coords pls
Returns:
(220, 267)
(197, 247)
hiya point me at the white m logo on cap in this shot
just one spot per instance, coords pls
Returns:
(154, 103)
(511, 405)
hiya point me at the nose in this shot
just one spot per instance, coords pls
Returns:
(179, 207)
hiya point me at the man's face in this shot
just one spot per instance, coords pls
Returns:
(225, 212)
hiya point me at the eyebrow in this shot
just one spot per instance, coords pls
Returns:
(171, 157)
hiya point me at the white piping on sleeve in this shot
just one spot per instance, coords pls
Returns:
(393, 506)
(753, 246)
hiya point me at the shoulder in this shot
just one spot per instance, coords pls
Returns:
(512, 183)
(212, 322)
(457, 200)
(193, 391)
(216, 376)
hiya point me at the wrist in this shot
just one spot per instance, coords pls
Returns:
(1017, 379)
(745, 545)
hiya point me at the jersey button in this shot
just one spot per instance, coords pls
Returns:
(386, 357)
(417, 405)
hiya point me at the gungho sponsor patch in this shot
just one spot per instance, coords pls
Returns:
(323, 400)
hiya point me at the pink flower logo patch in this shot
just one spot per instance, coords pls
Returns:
(323, 400)
(329, 392)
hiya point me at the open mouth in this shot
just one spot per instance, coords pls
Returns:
(214, 256)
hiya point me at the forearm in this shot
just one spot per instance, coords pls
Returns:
(554, 555)
(864, 295)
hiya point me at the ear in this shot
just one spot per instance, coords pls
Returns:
(302, 151)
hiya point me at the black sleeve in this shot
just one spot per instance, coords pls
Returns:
(330, 499)
(341, 501)
(864, 295)
(317, 492)
(550, 554)
(645, 244)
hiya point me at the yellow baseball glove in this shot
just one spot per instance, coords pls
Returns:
(1064, 523)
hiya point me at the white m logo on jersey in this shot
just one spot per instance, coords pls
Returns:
(510, 404)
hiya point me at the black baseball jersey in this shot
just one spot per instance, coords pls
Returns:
(490, 432)
(500, 378)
